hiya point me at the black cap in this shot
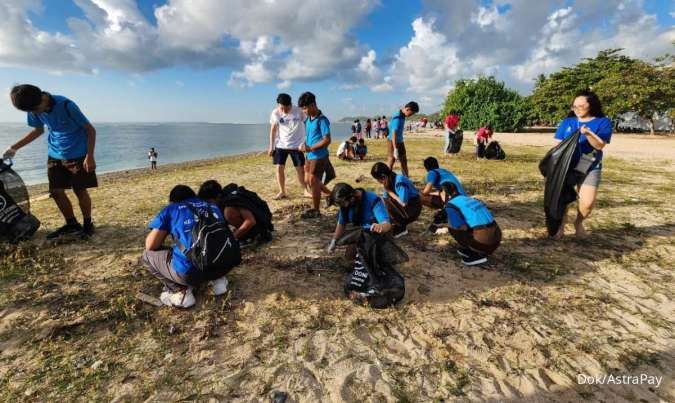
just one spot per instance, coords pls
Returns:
(341, 191)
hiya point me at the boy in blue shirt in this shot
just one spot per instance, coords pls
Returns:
(171, 266)
(361, 149)
(395, 145)
(70, 162)
(432, 194)
(400, 196)
(472, 225)
(318, 169)
(359, 207)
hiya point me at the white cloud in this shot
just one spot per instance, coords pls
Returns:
(485, 17)
(284, 85)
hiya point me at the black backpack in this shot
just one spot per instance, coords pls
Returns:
(494, 151)
(16, 222)
(234, 195)
(214, 250)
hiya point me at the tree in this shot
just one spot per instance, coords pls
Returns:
(487, 100)
(622, 83)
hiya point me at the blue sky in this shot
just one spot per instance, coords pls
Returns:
(126, 60)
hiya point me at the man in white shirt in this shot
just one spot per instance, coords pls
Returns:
(287, 134)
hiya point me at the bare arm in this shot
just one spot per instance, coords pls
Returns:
(394, 196)
(427, 189)
(155, 239)
(29, 138)
(595, 141)
(325, 141)
(89, 163)
(339, 231)
(273, 132)
(248, 221)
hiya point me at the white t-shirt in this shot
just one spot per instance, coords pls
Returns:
(341, 148)
(291, 128)
(152, 156)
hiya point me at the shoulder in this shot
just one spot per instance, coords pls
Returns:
(604, 121)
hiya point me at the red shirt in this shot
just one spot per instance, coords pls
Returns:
(483, 134)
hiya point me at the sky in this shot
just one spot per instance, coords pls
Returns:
(226, 60)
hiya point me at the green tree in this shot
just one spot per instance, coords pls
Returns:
(487, 100)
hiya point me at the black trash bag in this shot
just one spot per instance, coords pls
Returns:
(559, 190)
(16, 222)
(494, 151)
(374, 281)
(455, 143)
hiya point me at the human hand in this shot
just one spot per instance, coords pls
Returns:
(377, 228)
(270, 152)
(89, 164)
(585, 130)
(331, 246)
(303, 147)
(9, 153)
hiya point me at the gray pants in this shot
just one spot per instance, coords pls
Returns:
(158, 263)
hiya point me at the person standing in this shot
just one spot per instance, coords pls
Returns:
(318, 170)
(368, 128)
(587, 117)
(451, 124)
(152, 156)
(70, 143)
(286, 137)
(395, 144)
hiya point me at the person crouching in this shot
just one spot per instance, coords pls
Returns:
(400, 196)
(472, 225)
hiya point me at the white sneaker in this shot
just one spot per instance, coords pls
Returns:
(219, 285)
(180, 299)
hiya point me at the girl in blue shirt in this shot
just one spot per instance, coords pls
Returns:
(400, 196)
(596, 132)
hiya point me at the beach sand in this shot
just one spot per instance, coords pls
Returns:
(521, 329)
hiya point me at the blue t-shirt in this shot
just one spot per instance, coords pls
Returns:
(178, 220)
(316, 129)
(602, 127)
(66, 136)
(362, 150)
(396, 126)
(438, 176)
(372, 209)
(455, 218)
(404, 188)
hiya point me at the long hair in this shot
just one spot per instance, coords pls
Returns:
(595, 107)
(381, 170)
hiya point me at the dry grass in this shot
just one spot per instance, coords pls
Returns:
(523, 328)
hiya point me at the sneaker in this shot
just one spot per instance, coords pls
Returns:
(463, 252)
(68, 229)
(474, 259)
(180, 299)
(88, 228)
(246, 243)
(219, 285)
(311, 213)
(400, 232)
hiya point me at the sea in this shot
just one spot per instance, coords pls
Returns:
(123, 146)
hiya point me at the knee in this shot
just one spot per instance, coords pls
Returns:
(57, 193)
(80, 193)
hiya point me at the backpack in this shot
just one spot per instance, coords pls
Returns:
(214, 250)
(494, 151)
(234, 195)
(16, 222)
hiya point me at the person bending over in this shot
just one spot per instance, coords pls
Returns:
(171, 266)
(357, 206)
(472, 225)
(432, 194)
(400, 196)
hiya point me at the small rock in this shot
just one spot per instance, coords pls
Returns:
(279, 397)
(95, 365)
(29, 392)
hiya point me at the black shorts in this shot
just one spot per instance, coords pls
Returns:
(67, 174)
(281, 154)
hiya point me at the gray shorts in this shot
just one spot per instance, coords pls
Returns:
(158, 263)
(592, 178)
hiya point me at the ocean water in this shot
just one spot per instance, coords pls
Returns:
(121, 146)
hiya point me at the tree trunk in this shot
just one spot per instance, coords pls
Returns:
(650, 123)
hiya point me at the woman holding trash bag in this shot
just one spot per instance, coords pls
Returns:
(585, 116)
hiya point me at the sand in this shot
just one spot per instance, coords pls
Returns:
(521, 329)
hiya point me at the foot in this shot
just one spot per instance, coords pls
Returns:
(219, 285)
(464, 253)
(400, 232)
(311, 213)
(473, 259)
(68, 229)
(580, 231)
(280, 196)
(180, 299)
(307, 194)
(560, 234)
(88, 229)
